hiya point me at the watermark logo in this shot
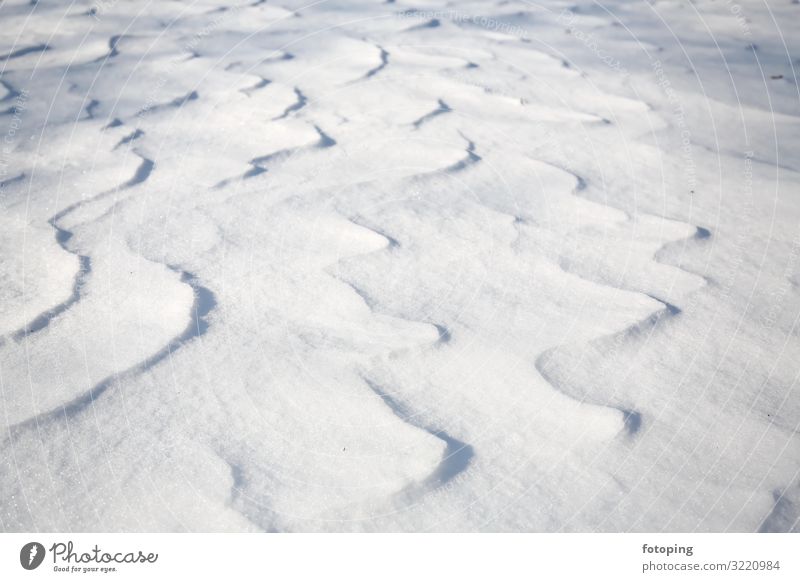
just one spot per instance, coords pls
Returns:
(31, 555)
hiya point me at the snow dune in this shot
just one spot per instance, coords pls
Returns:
(376, 266)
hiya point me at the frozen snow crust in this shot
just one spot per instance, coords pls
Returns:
(351, 265)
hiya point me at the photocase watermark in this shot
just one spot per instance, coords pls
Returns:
(14, 125)
(741, 19)
(65, 558)
(459, 17)
(570, 20)
(744, 233)
(690, 167)
(778, 295)
(10, 137)
(190, 47)
(31, 555)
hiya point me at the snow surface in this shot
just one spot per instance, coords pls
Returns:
(365, 265)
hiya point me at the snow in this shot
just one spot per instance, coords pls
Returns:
(356, 265)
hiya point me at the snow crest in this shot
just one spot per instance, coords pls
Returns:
(357, 266)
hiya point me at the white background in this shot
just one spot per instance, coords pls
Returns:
(507, 557)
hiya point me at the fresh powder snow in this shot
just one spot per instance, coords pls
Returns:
(351, 265)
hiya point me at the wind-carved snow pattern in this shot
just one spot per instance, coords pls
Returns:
(21, 52)
(296, 106)
(457, 455)
(63, 237)
(203, 303)
(384, 56)
(402, 271)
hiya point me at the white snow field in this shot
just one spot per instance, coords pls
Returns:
(350, 265)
